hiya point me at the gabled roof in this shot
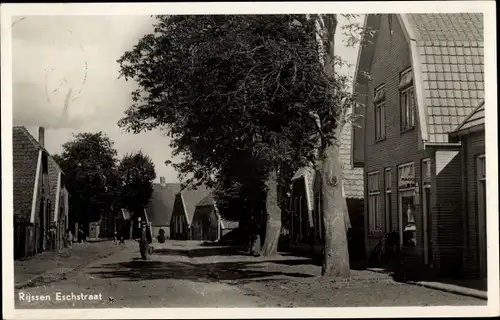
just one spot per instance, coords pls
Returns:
(191, 197)
(448, 63)
(25, 150)
(161, 205)
(450, 48)
(207, 201)
(474, 121)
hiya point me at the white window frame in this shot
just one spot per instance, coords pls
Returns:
(407, 103)
(374, 216)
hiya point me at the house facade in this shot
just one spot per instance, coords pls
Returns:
(41, 200)
(161, 206)
(417, 78)
(182, 215)
(207, 224)
(471, 134)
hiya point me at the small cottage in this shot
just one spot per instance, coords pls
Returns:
(182, 215)
(207, 224)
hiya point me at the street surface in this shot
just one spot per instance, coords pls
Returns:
(207, 278)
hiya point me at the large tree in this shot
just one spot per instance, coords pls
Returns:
(89, 162)
(136, 173)
(257, 84)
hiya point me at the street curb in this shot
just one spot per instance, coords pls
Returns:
(443, 287)
(452, 289)
(33, 282)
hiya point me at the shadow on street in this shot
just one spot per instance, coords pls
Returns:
(171, 252)
(138, 270)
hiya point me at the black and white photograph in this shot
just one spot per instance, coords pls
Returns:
(264, 156)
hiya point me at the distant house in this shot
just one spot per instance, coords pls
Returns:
(207, 224)
(184, 207)
(161, 206)
(40, 198)
(472, 136)
(426, 75)
(306, 222)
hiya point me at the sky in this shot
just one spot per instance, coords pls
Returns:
(71, 60)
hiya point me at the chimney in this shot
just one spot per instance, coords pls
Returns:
(162, 181)
(41, 136)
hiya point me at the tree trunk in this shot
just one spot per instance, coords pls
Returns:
(273, 217)
(335, 214)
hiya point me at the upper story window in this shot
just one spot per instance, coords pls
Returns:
(379, 104)
(406, 100)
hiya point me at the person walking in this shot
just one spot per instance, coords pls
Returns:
(145, 241)
(69, 238)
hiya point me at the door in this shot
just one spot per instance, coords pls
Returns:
(407, 225)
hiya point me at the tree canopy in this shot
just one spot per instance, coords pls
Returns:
(222, 84)
(89, 162)
(136, 173)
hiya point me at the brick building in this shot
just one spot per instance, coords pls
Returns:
(417, 79)
(471, 134)
(40, 197)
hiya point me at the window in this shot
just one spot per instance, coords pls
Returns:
(388, 198)
(406, 176)
(406, 184)
(481, 167)
(407, 100)
(426, 172)
(379, 103)
(374, 214)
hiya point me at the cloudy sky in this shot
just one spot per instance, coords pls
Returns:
(71, 60)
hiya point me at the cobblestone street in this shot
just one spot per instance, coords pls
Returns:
(183, 275)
